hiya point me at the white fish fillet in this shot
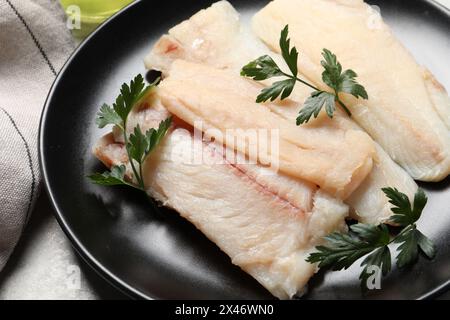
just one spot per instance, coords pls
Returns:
(214, 36)
(439, 96)
(201, 40)
(406, 112)
(267, 224)
(221, 100)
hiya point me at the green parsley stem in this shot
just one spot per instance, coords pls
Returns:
(343, 106)
(317, 89)
(405, 230)
(133, 186)
(141, 175)
(138, 177)
(307, 84)
(333, 76)
(300, 80)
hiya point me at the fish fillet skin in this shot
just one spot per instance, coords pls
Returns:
(400, 114)
(223, 103)
(267, 224)
(368, 202)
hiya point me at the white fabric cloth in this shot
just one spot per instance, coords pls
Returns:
(34, 44)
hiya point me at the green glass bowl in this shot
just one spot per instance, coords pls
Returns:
(92, 13)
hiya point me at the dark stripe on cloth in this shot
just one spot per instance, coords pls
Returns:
(36, 42)
(30, 161)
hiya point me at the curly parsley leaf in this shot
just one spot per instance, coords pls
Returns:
(154, 136)
(283, 88)
(380, 258)
(129, 96)
(114, 177)
(265, 68)
(349, 85)
(426, 245)
(314, 104)
(333, 69)
(411, 241)
(290, 56)
(404, 213)
(340, 81)
(342, 250)
(138, 145)
(107, 116)
(261, 69)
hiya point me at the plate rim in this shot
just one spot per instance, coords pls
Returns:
(80, 249)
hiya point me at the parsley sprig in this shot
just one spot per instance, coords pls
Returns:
(338, 80)
(138, 144)
(342, 250)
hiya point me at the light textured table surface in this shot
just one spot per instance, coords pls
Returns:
(44, 265)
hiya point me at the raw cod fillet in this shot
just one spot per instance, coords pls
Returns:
(213, 36)
(267, 224)
(220, 100)
(216, 37)
(408, 110)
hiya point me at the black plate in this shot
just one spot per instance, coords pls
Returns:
(153, 255)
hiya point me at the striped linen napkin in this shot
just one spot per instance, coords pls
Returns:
(34, 44)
